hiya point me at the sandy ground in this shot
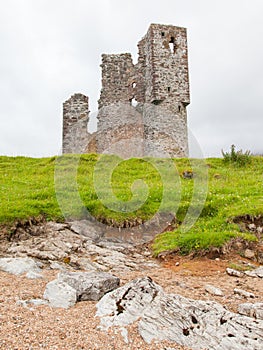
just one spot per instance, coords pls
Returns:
(42, 327)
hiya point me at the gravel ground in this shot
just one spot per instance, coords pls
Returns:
(42, 327)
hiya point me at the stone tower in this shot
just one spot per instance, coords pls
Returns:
(157, 125)
(75, 124)
(162, 73)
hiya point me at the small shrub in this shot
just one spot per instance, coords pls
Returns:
(238, 158)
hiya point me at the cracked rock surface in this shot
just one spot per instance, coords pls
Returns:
(193, 323)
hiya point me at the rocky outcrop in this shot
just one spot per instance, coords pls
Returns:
(19, 266)
(76, 245)
(192, 323)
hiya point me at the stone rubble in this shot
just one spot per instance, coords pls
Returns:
(75, 246)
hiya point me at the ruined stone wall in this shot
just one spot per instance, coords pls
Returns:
(117, 79)
(119, 125)
(120, 130)
(75, 122)
(158, 82)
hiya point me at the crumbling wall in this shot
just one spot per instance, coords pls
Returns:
(75, 123)
(117, 79)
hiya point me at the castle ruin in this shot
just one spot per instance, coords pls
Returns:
(142, 106)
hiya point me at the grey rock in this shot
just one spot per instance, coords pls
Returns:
(255, 273)
(90, 285)
(198, 325)
(126, 304)
(60, 294)
(56, 226)
(252, 227)
(87, 264)
(34, 302)
(18, 266)
(89, 229)
(37, 302)
(244, 293)
(213, 290)
(124, 334)
(251, 310)
(249, 254)
(51, 245)
(191, 323)
(56, 242)
(119, 246)
(33, 275)
(235, 273)
(56, 266)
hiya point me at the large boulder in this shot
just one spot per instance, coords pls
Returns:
(71, 287)
(90, 285)
(19, 266)
(60, 294)
(191, 323)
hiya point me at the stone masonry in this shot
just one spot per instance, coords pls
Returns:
(75, 120)
(142, 107)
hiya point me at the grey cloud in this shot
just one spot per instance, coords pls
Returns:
(51, 49)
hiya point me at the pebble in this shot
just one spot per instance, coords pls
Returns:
(213, 290)
(235, 273)
(244, 293)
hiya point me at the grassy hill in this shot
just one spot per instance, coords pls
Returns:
(55, 187)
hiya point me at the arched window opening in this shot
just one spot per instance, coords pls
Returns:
(172, 45)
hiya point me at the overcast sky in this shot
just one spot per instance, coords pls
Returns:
(51, 49)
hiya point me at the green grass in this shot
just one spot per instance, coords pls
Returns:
(28, 189)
